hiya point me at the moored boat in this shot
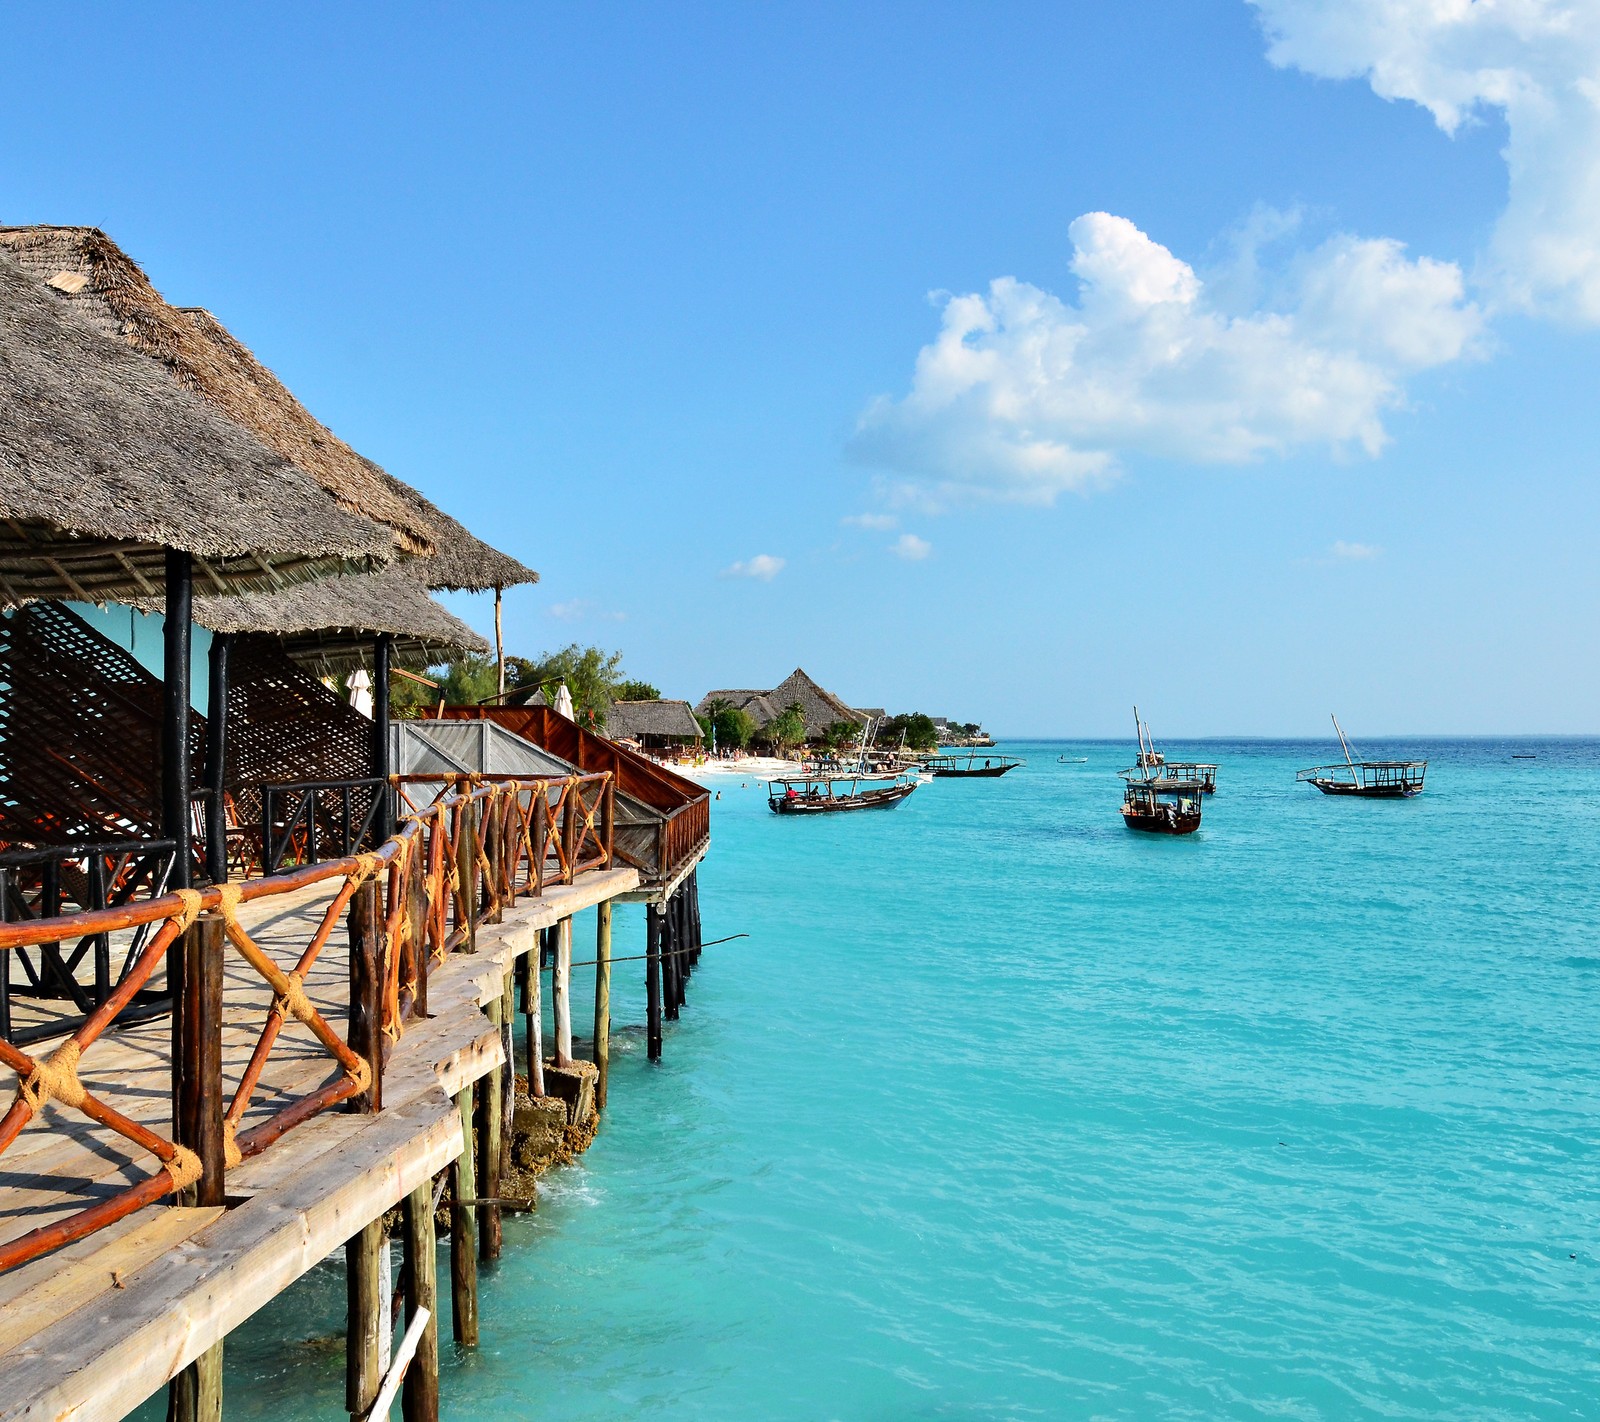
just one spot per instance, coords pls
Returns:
(1162, 805)
(959, 767)
(819, 795)
(1200, 770)
(1366, 779)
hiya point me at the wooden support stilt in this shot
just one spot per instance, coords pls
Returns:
(464, 1232)
(367, 1318)
(489, 1123)
(652, 982)
(420, 1400)
(195, 1394)
(508, 1078)
(561, 993)
(217, 760)
(670, 971)
(533, 1022)
(602, 1002)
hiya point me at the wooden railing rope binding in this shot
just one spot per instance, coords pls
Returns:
(425, 913)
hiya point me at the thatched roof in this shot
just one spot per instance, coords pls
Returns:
(105, 463)
(332, 624)
(652, 718)
(821, 708)
(92, 273)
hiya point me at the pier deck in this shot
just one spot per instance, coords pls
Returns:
(91, 1330)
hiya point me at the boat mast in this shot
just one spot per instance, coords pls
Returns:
(1346, 744)
(1138, 727)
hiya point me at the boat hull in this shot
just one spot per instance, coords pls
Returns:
(1367, 792)
(885, 799)
(1161, 824)
(986, 773)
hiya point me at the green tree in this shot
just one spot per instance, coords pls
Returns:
(636, 691)
(461, 682)
(592, 676)
(840, 733)
(919, 731)
(788, 728)
(733, 728)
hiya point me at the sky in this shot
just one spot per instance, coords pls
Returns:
(1013, 363)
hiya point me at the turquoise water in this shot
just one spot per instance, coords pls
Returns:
(1003, 1111)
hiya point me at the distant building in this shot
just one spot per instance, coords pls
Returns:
(655, 725)
(821, 708)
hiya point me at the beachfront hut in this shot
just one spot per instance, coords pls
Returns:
(820, 707)
(662, 725)
(118, 482)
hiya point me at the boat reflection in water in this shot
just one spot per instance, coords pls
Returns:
(833, 794)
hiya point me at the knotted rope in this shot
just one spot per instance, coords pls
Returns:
(292, 1001)
(229, 895)
(184, 1167)
(54, 1079)
(230, 1143)
(192, 900)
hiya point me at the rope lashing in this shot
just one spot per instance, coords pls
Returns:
(230, 1143)
(184, 1167)
(292, 1001)
(54, 1079)
(192, 900)
(230, 895)
(360, 1074)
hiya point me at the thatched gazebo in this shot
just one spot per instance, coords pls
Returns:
(118, 483)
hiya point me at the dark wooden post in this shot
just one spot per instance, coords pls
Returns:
(195, 1394)
(489, 1134)
(419, 1401)
(382, 651)
(466, 872)
(464, 1231)
(652, 982)
(367, 1317)
(175, 821)
(365, 1031)
(417, 916)
(217, 760)
(569, 827)
(670, 975)
(602, 1001)
(495, 850)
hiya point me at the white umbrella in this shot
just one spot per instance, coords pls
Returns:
(564, 703)
(360, 685)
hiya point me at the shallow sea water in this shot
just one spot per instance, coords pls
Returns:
(1003, 1111)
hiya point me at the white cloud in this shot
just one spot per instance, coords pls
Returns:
(763, 566)
(1354, 552)
(581, 609)
(911, 548)
(877, 522)
(1538, 62)
(1023, 395)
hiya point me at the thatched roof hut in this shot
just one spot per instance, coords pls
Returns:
(329, 626)
(105, 463)
(89, 270)
(653, 723)
(820, 707)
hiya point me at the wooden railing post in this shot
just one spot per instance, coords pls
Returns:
(569, 826)
(541, 832)
(195, 1394)
(417, 922)
(608, 817)
(365, 1033)
(495, 845)
(467, 872)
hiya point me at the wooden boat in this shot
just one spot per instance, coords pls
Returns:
(961, 767)
(1368, 779)
(1202, 771)
(1072, 760)
(818, 795)
(1162, 805)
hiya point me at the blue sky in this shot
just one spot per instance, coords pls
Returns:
(1289, 406)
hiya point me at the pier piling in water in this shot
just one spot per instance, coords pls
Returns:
(489, 1118)
(652, 982)
(602, 1002)
(464, 1233)
(561, 993)
(420, 1400)
(367, 1318)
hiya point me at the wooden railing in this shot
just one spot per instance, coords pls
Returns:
(685, 807)
(469, 846)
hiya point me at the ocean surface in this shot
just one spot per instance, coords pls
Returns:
(1003, 1111)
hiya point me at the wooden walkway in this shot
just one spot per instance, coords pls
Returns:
(91, 1330)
